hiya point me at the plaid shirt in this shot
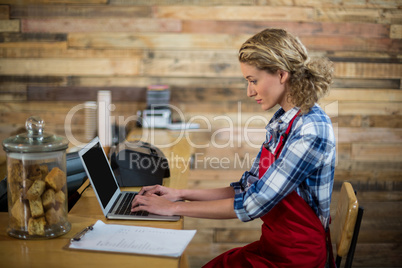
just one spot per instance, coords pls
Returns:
(306, 164)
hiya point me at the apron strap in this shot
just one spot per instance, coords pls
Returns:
(284, 137)
(266, 157)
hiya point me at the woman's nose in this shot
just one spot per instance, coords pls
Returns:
(250, 90)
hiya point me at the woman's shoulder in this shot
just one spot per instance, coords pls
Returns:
(315, 122)
(317, 115)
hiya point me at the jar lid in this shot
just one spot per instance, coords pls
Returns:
(35, 140)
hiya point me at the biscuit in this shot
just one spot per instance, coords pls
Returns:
(24, 188)
(14, 171)
(20, 213)
(60, 197)
(36, 190)
(15, 192)
(33, 172)
(36, 208)
(36, 226)
(56, 179)
(48, 199)
(44, 170)
(54, 216)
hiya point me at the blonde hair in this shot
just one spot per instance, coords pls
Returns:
(275, 49)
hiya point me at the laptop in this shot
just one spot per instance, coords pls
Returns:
(115, 204)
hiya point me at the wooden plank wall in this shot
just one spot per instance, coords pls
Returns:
(55, 55)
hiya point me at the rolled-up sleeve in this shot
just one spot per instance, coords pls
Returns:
(240, 187)
(240, 191)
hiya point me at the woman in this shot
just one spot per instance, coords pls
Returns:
(290, 183)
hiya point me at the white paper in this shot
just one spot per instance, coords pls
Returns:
(135, 239)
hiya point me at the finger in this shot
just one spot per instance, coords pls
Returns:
(142, 203)
(150, 189)
(133, 204)
(136, 201)
(137, 208)
(144, 189)
(158, 190)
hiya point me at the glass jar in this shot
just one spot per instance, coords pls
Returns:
(36, 183)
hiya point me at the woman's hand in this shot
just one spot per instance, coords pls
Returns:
(153, 203)
(203, 203)
(167, 193)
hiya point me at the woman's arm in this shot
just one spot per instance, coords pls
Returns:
(188, 194)
(204, 203)
(207, 194)
(213, 209)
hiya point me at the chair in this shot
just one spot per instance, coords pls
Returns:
(346, 225)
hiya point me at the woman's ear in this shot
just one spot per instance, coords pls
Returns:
(283, 76)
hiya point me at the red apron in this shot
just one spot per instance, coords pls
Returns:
(292, 235)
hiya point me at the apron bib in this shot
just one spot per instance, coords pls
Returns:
(292, 235)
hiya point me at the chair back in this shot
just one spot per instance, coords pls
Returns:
(345, 219)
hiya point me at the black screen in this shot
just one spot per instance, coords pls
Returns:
(100, 173)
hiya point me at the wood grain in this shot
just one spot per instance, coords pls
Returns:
(29, 2)
(40, 93)
(79, 11)
(367, 70)
(364, 30)
(153, 40)
(44, 67)
(66, 50)
(39, 50)
(31, 37)
(218, 13)
(4, 12)
(389, 152)
(351, 44)
(396, 31)
(83, 25)
(9, 26)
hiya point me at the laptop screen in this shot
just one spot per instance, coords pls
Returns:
(100, 173)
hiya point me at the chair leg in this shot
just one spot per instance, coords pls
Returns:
(351, 253)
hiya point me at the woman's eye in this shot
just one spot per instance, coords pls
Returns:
(253, 82)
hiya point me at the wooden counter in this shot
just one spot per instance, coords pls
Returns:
(49, 253)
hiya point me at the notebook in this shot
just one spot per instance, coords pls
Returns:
(115, 204)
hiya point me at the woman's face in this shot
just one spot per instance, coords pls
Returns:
(267, 89)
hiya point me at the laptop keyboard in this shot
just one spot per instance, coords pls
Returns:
(125, 206)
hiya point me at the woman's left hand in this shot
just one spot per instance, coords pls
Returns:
(154, 204)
